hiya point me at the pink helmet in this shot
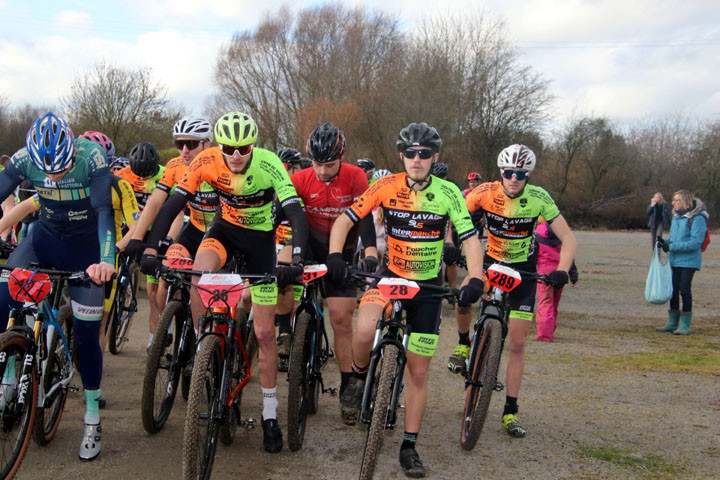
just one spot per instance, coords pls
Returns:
(102, 140)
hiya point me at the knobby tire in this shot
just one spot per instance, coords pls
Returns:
(485, 361)
(374, 441)
(300, 376)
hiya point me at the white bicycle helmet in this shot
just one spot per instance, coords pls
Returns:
(193, 127)
(381, 173)
(517, 157)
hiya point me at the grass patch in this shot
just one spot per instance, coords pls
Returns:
(703, 362)
(650, 465)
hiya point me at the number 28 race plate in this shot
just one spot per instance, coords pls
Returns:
(397, 288)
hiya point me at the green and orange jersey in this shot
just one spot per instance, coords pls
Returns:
(416, 222)
(246, 199)
(203, 204)
(143, 187)
(511, 221)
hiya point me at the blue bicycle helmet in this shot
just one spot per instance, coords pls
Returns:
(50, 144)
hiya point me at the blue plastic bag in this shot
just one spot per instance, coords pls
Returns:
(658, 287)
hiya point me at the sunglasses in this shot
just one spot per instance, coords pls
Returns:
(519, 174)
(190, 144)
(410, 153)
(230, 150)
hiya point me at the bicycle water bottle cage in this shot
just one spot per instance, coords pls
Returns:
(503, 277)
(398, 288)
(220, 289)
(28, 286)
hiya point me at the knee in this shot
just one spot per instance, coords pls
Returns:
(264, 333)
(516, 345)
(342, 326)
(417, 374)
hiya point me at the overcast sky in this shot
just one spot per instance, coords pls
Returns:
(623, 59)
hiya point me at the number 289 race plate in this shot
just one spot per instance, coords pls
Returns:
(503, 277)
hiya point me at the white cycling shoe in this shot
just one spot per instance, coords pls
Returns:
(91, 443)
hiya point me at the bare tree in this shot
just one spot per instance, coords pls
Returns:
(125, 104)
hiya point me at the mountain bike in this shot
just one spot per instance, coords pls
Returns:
(383, 386)
(309, 354)
(35, 362)
(169, 362)
(221, 370)
(488, 335)
(124, 304)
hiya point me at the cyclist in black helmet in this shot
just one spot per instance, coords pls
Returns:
(368, 167)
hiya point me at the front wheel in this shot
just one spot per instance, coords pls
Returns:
(47, 417)
(123, 311)
(482, 377)
(201, 423)
(374, 440)
(17, 402)
(163, 369)
(300, 375)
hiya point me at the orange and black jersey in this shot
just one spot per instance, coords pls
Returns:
(203, 204)
(416, 222)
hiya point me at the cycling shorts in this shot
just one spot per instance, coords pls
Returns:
(522, 298)
(256, 246)
(423, 312)
(187, 244)
(317, 253)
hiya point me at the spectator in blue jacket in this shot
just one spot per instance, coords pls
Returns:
(687, 232)
(659, 213)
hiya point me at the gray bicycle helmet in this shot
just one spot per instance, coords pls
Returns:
(144, 160)
(419, 135)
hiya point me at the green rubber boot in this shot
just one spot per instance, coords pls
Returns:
(684, 328)
(672, 323)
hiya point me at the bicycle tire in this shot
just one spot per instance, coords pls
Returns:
(200, 434)
(485, 359)
(160, 382)
(47, 418)
(232, 412)
(120, 322)
(12, 420)
(299, 377)
(374, 440)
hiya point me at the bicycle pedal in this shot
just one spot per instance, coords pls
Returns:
(73, 388)
(331, 390)
(499, 387)
(250, 423)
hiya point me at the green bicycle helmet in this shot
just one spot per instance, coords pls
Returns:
(236, 129)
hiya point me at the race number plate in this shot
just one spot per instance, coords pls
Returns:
(180, 263)
(220, 289)
(311, 272)
(28, 286)
(504, 277)
(398, 288)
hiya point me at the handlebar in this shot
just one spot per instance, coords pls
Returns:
(443, 291)
(68, 275)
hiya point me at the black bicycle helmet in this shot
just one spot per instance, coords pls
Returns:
(439, 169)
(419, 135)
(366, 164)
(305, 163)
(144, 160)
(289, 155)
(326, 143)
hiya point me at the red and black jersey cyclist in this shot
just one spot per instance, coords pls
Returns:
(511, 208)
(417, 209)
(246, 179)
(327, 190)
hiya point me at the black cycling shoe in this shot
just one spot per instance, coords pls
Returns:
(351, 400)
(411, 463)
(272, 435)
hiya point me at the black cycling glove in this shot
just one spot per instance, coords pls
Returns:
(368, 264)
(663, 244)
(337, 268)
(559, 278)
(471, 292)
(288, 274)
(149, 264)
(134, 248)
(451, 253)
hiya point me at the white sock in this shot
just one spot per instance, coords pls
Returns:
(270, 403)
(150, 339)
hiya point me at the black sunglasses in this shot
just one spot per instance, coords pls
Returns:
(190, 144)
(410, 153)
(519, 174)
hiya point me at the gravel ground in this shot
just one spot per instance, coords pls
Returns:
(597, 403)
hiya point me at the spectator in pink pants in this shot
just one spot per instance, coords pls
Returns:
(549, 297)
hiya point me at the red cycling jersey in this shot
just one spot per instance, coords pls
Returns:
(324, 202)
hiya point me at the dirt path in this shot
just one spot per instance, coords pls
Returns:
(610, 398)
